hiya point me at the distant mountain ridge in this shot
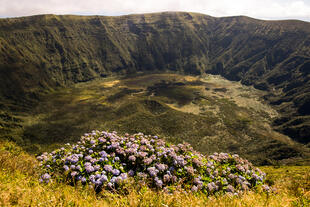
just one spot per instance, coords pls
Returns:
(42, 52)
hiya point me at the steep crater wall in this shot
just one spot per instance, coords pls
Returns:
(41, 53)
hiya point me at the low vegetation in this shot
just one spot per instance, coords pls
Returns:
(174, 106)
(107, 160)
(85, 73)
(20, 186)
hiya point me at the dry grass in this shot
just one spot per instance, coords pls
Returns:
(19, 186)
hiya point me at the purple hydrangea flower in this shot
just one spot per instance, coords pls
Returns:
(97, 167)
(108, 168)
(46, 176)
(159, 183)
(110, 185)
(124, 176)
(115, 172)
(66, 167)
(87, 164)
(194, 188)
(142, 175)
(152, 171)
(98, 182)
(101, 140)
(131, 173)
(89, 169)
(74, 173)
(265, 187)
(115, 145)
(92, 178)
(147, 161)
(190, 170)
(103, 154)
(161, 167)
(104, 178)
(166, 178)
(88, 158)
(142, 154)
(113, 180)
(132, 158)
(211, 187)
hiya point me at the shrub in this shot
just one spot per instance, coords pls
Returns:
(107, 161)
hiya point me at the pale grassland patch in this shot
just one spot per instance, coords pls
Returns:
(109, 83)
(243, 96)
(188, 108)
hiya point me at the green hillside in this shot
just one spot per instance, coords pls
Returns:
(40, 54)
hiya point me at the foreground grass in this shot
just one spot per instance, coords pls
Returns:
(19, 186)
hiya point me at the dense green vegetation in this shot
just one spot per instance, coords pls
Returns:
(40, 53)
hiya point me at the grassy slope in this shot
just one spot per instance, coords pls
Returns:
(19, 186)
(42, 52)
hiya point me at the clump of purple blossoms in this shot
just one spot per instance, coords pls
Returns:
(106, 160)
(45, 178)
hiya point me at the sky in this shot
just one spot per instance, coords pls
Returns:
(261, 9)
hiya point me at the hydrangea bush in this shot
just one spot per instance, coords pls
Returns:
(106, 161)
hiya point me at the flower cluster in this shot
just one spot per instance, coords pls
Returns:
(107, 160)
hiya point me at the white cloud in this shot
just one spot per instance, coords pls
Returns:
(266, 9)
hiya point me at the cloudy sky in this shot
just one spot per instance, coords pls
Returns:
(263, 9)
